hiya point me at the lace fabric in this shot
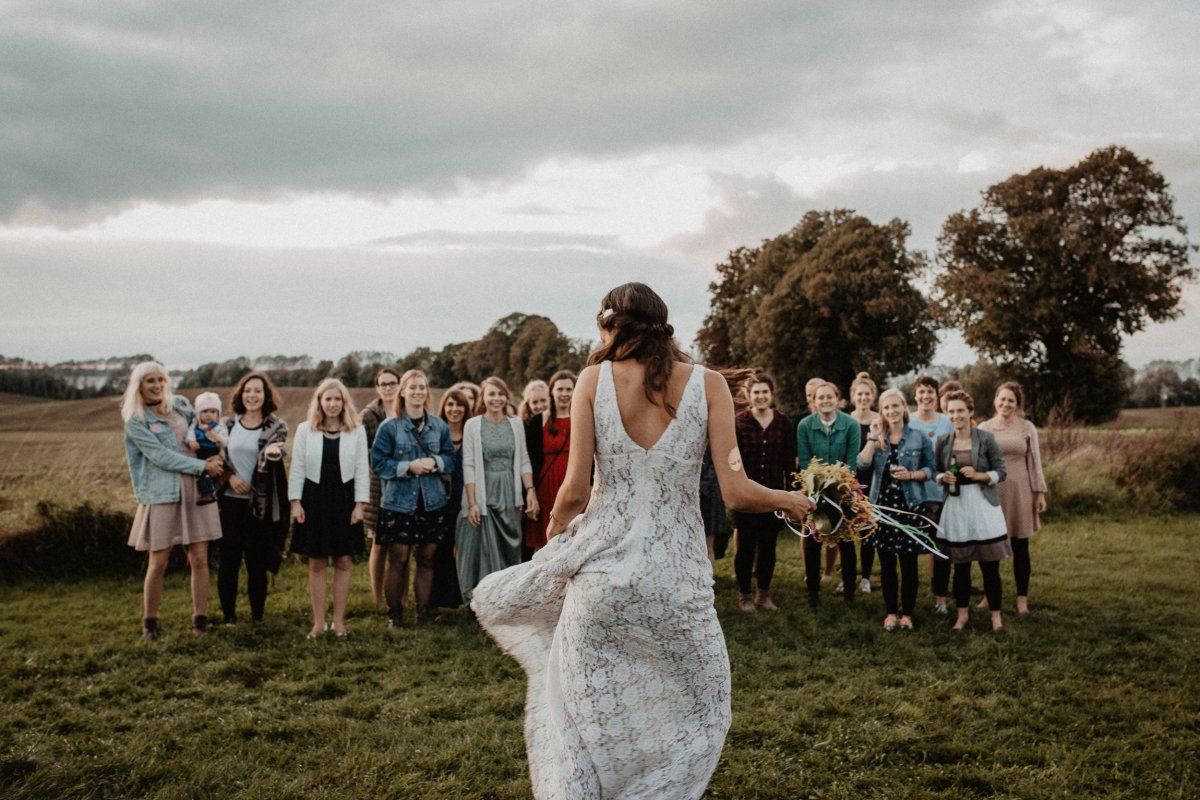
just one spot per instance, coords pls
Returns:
(613, 621)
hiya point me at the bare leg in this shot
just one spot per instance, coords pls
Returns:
(197, 554)
(152, 588)
(317, 593)
(376, 567)
(341, 592)
(831, 555)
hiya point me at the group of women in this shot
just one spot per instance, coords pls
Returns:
(466, 491)
(979, 490)
(462, 492)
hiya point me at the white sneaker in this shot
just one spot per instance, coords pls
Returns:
(864, 586)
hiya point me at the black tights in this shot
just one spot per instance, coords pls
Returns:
(812, 566)
(755, 554)
(991, 584)
(395, 580)
(867, 554)
(908, 582)
(1021, 565)
(242, 538)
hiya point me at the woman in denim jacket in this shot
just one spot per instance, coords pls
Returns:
(412, 452)
(901, 460)
(164, 472)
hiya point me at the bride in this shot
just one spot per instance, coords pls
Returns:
(613, 621)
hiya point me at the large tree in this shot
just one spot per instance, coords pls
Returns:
(1055, 266)
(831, 297)
(518, 348)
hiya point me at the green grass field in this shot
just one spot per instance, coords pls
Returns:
(1095, 694)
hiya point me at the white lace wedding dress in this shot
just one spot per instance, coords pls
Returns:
(613, 622)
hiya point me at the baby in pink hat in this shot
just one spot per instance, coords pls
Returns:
(206, 439)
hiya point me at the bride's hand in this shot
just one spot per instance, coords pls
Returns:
(796, 505)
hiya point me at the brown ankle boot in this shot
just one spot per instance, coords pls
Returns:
(746, 604)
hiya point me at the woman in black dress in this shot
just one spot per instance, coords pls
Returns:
(329, 487)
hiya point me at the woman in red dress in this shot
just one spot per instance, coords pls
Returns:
(551, 471)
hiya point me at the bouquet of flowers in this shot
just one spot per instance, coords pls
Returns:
(841, 511)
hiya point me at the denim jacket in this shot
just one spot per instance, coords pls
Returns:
(395, 447)
(916, 452)
(155, 462)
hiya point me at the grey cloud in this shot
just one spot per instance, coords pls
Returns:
(499, 240)
(106, 105)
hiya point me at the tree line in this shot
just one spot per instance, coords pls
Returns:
(1042, 279)
(519, 348)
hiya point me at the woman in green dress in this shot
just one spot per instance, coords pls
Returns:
(497, 486)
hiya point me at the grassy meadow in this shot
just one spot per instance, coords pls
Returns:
(1095, 694)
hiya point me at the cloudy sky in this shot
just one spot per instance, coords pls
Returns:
(208, 180)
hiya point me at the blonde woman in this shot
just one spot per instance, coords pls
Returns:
(498, 484)
(164, 471)
(412, 452)
(900, 459)
(329, 487)
(534, 400)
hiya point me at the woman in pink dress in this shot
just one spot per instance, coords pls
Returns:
(1023, 495)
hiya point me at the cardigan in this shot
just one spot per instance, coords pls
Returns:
(1033, 455)
(472, 453)
(352, 453)
(842, 443)
(985, 457)
(268, 487)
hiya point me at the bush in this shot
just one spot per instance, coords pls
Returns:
(69, 542)
(1159, 471)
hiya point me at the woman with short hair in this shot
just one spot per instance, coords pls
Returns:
(929, 396)
(1023, 493)
(163, 471)
(387, 387)
(830, 436)
(970, 467)
(254, 500)
(329, 486)
(498, 484)
(412, 452)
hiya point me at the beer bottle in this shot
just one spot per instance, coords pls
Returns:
(953, 488)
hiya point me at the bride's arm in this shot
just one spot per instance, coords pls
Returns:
(739, 492)
(573, 495)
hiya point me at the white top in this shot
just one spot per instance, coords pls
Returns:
(308, 450)
(242, 452)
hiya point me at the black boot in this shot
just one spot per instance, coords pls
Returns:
(150, 629)
(199, 624)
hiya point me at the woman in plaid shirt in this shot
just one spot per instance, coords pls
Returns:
(764, 437)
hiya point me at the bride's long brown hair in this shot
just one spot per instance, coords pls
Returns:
(637, 318)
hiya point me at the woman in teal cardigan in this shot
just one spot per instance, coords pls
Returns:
(829, 436)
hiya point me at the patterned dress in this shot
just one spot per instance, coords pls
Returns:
(614, 624)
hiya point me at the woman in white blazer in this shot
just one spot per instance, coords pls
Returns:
(329, 486)
(497, 484)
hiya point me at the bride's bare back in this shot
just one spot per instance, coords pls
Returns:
(646, 422)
